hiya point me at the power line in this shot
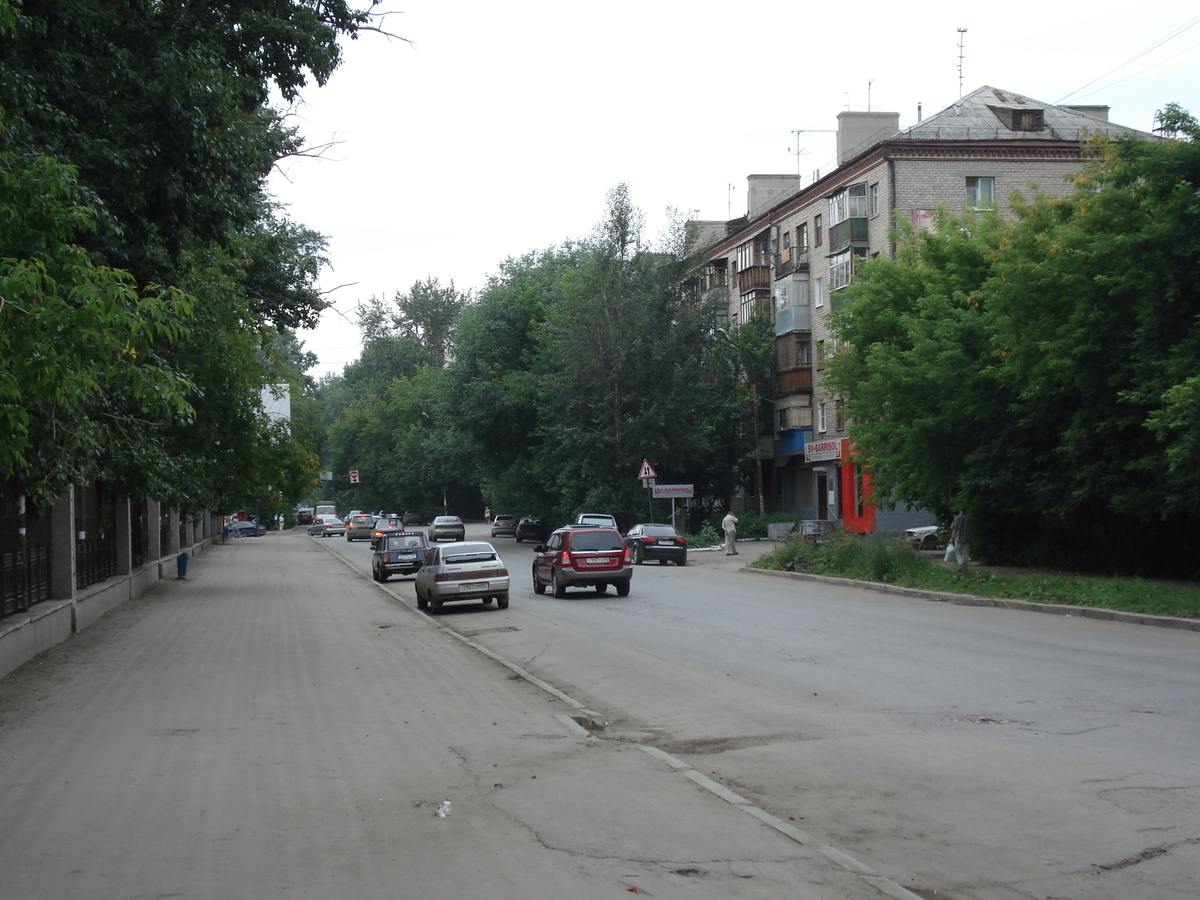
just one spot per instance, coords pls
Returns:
(1171, 36)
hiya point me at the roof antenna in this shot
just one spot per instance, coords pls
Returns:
(961, 32)
(870, 81)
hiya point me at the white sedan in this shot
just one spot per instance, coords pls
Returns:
(463, 570)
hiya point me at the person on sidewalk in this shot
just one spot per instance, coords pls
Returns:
(960, 536)
(729, 526)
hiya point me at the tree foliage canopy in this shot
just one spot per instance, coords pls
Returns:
(145, 273)
(1045, 369)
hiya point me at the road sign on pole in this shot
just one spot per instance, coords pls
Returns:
(647, 471)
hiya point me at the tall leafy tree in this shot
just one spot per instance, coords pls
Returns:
(1044, 369)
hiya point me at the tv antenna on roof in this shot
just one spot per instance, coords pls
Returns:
(961, 32)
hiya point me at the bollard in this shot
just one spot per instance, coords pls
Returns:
(181, 562)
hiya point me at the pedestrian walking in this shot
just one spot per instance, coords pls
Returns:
(960, 537)
(729, 526)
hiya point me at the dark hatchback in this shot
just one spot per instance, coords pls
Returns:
(532, 528)
(398, 554)
(651, 541)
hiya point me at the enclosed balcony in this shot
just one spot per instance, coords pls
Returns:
(849, 233)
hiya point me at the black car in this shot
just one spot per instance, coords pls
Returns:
(652, 541)
(532, 528)
(398, 553)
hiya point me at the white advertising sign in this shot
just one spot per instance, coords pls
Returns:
(818, 451)
(673, 490)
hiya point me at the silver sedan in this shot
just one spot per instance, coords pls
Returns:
(447, 528)
(464, 570)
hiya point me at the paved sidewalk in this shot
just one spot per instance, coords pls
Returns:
(276, 725)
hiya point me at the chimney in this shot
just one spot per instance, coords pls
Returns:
(859, 131)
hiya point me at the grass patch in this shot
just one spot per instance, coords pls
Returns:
(892, 560)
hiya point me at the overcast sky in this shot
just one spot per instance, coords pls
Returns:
(502, 126)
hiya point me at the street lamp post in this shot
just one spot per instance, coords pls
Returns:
(758, 479)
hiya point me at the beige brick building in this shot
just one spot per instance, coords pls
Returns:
(795, 251)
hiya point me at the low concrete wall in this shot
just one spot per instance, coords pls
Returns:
(25, 636)
(22, 637)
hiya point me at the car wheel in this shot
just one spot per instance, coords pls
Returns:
(929, 542)
(502, 601)
(623, 587)
(560, 588)
(601, 588)
(518, 538)
(681, 562)
(421, 601)
(435, 602)
(637, 554)
(663, 562)
(383, 577)
(486, 601)
(538, 587)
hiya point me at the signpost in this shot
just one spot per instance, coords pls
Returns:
(647, 476)
(686, 491)
(354, 476)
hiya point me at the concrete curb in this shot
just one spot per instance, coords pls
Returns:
(1059, 609)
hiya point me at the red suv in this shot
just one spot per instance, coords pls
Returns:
(582, 557)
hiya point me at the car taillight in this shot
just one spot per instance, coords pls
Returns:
(650, 540)
(502, 571)
(566, 557)
(627, 562)
(441, 576)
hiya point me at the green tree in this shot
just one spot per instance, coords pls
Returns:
(1045, 368)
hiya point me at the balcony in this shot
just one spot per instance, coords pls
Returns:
(790, 260)
(849, 233)
(754, 278)
(792, 440)
(794, 381)
(793, 318)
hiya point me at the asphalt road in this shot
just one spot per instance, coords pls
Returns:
(966, 753)
(278, 726)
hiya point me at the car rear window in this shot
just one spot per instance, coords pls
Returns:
(470, 556)
(665, 530)
(596, 540)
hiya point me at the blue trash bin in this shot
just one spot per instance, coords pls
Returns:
(181, 562)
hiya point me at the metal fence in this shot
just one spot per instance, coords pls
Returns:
(24, 553)
(96, 535)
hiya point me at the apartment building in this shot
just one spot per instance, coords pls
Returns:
(795, 252)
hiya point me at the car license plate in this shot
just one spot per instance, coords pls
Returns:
(473, 586)
(597, 560)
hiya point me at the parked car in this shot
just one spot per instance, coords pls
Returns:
(385, 525)
(926, 537)
(327, 526)
(651, 541)
(532, 528)
(399, 553)
(447, 528)
(412, 517)
(463, 570)
(247, 528)
(360, 527)
(595, 520)
(578, 556)
(504, 526)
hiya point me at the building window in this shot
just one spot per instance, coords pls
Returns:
(791, 352)
(821, 417)
(874, 200)
(818, 291)
(848, 204)
(820, 356)
(816, 231)
(841, 267)
(802, 236)
(839, 416)
(981, 192)
(1027, 120)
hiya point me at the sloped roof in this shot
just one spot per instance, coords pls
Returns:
(990, 113)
